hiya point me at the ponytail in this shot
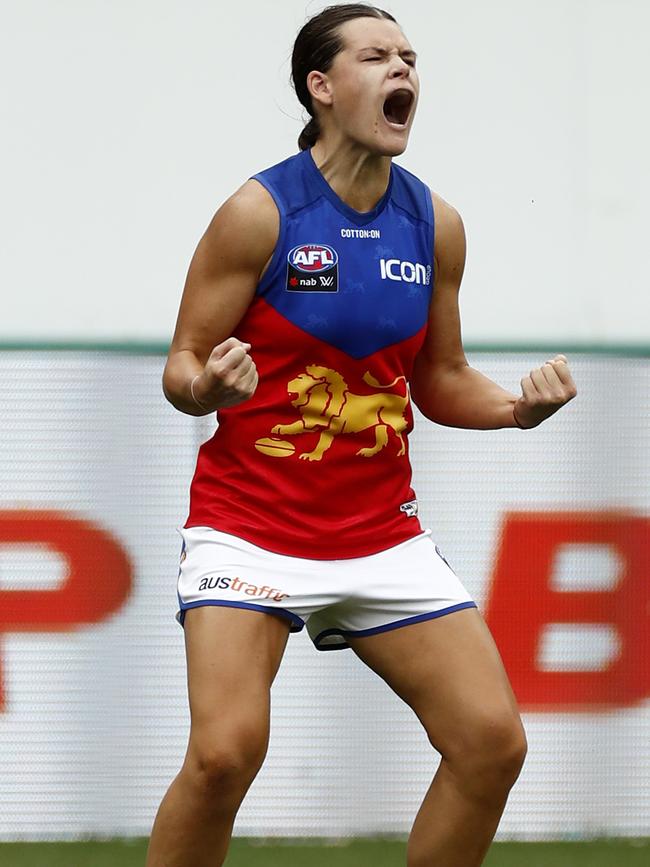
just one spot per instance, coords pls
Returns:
(309, 136)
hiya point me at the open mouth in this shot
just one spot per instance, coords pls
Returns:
(397, 107)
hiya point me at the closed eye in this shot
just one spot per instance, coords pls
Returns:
(410, 61)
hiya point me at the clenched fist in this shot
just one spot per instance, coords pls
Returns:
(544, 391)
(228, 378)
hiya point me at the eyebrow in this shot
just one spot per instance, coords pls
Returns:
(383, 51)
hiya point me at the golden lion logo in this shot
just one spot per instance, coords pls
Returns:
(326, 404)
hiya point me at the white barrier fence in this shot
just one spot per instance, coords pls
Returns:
(548, 529)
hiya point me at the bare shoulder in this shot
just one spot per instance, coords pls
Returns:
(449, 244)
(253, 201)
(245, 226)
(447, 218)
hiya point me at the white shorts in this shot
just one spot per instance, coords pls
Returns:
(360, 596)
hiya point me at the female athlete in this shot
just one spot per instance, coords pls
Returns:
(317, 304)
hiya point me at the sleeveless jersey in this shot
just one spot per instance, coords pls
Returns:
(316, 463)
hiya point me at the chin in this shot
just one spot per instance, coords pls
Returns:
(384, 144)
(392, 143)
(397, 149)
(391, 149)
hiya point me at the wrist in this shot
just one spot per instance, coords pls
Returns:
(196, 400)
(516, 420)
(518, 423)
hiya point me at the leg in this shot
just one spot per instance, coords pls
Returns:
(381, 439)
(398, 433)
(324, 442)
(448, 670)
(232, 658)
(296, 427)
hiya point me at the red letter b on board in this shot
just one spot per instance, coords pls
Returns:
(524, 604)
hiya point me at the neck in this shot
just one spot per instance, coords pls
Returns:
(357, 176)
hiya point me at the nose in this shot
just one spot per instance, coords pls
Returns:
(399, 69)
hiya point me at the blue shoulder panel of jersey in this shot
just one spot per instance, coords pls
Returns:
(358, 281)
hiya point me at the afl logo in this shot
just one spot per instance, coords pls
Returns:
(312, 268)
(313, 257)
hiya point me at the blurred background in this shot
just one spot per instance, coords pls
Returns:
(125, 125)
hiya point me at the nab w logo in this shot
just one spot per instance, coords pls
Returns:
(312, 268)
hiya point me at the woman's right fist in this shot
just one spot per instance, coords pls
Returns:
(228, 378)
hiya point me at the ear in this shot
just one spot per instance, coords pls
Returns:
(318, 85)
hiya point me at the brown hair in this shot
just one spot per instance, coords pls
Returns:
(316, 46)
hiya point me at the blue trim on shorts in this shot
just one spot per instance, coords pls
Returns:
(375, 630)
(298, 622)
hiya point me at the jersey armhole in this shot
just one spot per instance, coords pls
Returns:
(432, 220)
(270, 273)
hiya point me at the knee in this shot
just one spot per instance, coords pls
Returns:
(223, 767)
(509, 744)
(489, 756)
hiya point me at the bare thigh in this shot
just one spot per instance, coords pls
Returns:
(449, 671)
(233, 656)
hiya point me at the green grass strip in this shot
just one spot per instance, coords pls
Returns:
(356, 853)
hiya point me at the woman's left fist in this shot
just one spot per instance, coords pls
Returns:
(544, 391)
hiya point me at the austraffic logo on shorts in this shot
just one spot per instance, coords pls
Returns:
(407, 272)
(219, 582)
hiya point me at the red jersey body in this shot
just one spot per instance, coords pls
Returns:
(316, 463)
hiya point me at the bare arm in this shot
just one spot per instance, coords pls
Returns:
(207, 368)
(443, 386)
